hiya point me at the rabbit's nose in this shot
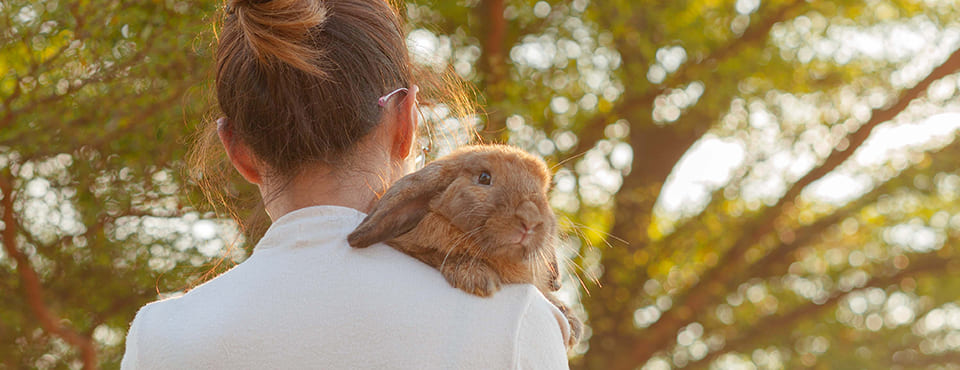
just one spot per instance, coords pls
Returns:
(529, 214)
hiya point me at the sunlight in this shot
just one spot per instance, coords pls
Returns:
(888, 143)
(708, 164)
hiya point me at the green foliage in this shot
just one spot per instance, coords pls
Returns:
(100, 97)
(586, 78)
(98, 100)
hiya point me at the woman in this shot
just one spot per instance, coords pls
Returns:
(319, 104)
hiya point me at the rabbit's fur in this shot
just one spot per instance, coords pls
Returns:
(479, 215)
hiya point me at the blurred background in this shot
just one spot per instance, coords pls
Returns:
(745, 184)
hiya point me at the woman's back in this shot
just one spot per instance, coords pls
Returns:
(319, 104)
(305, 299)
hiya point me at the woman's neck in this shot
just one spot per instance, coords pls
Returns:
(365, 175)
(357, 189)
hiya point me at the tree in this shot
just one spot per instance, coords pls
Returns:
(584, 78)
(94, 95)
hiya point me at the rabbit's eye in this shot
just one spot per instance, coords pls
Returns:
(484, 178)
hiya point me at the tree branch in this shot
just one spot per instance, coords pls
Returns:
(592, 131)
(101, 76)
(773, 324)
(768, 265)
(688, 72)
(762, 225)
(142, 117)
(494, 65)
(30, 281)
(657, 149)
(925, 361)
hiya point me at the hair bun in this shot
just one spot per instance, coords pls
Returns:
(278, 31)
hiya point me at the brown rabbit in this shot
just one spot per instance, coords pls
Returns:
(480, 216)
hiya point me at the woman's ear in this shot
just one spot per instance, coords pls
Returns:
(406, 125)
(238, 152)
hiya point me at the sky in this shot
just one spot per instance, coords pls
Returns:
(915, 44)
(712, 160)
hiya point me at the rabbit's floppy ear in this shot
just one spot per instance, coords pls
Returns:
(403, 206)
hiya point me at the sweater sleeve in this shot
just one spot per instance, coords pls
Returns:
(130, 360)
(540, 341)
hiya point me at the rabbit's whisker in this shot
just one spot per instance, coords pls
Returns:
(462, 238)
(582, 283)
(568, 159)
(605, 234)
(475, 253)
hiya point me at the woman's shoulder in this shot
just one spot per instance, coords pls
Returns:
(383, 267)
(333, 300)
(520, 309)
(339, 276)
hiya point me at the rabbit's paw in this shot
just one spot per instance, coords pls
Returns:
(576, 330)
(576, 326)
(474, 277)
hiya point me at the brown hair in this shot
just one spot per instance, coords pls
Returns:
(298, 81)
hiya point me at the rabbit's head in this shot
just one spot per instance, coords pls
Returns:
(496, 195)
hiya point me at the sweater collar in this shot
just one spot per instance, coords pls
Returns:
(310, 225)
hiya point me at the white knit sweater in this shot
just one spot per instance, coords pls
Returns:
(306, 299)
